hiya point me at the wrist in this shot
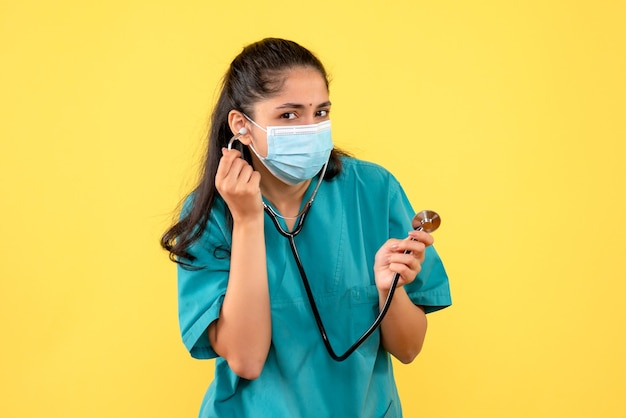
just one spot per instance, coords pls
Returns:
(384, 293)
(249, 223)
(383, 284)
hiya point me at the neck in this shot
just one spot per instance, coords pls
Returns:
(285, 198)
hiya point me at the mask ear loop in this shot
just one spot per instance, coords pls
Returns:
(242, 131)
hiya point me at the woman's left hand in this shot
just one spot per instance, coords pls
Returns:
(391, 259)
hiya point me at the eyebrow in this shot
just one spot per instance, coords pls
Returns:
(301, 106)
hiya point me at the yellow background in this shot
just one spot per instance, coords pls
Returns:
(506, 117)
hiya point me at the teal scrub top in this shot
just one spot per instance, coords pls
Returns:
(351, 217)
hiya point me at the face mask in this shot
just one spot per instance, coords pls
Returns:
(296, 153)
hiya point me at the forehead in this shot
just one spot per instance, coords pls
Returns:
(300, 85)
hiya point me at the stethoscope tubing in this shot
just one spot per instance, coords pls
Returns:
(305, 281)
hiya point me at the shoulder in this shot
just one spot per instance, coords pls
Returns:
(366, 173)
(355, 164)
(209, 221)
(193, 202)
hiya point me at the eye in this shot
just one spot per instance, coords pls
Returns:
(288, 115)
(322, 113)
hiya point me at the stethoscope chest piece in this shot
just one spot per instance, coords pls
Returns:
(426, 220)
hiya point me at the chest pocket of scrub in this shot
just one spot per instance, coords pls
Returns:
(345, 315)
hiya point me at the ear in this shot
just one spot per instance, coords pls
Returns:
(236, 122)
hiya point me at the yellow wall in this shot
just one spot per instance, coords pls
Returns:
(506, 118)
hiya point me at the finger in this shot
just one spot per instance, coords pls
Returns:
(226, 162)
(416, 248)
(407, 270)
(241, 176)
(422, 236)
(407, 259)
(255, 180)
(238, 172)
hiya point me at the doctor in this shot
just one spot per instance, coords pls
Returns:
(242, 298)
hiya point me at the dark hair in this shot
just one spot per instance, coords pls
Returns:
(257, 73)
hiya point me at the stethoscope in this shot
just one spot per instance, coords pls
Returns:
(426, 220)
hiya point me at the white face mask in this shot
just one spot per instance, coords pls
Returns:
(296, 153)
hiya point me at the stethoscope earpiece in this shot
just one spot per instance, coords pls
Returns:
(242, 131)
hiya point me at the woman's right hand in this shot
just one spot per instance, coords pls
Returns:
(239, 185)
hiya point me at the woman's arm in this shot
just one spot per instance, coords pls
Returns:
(242, 334)
(404, 328)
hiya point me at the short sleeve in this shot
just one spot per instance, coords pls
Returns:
(431, 288)
(202, 287)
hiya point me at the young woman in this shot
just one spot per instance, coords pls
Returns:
(286, 239)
